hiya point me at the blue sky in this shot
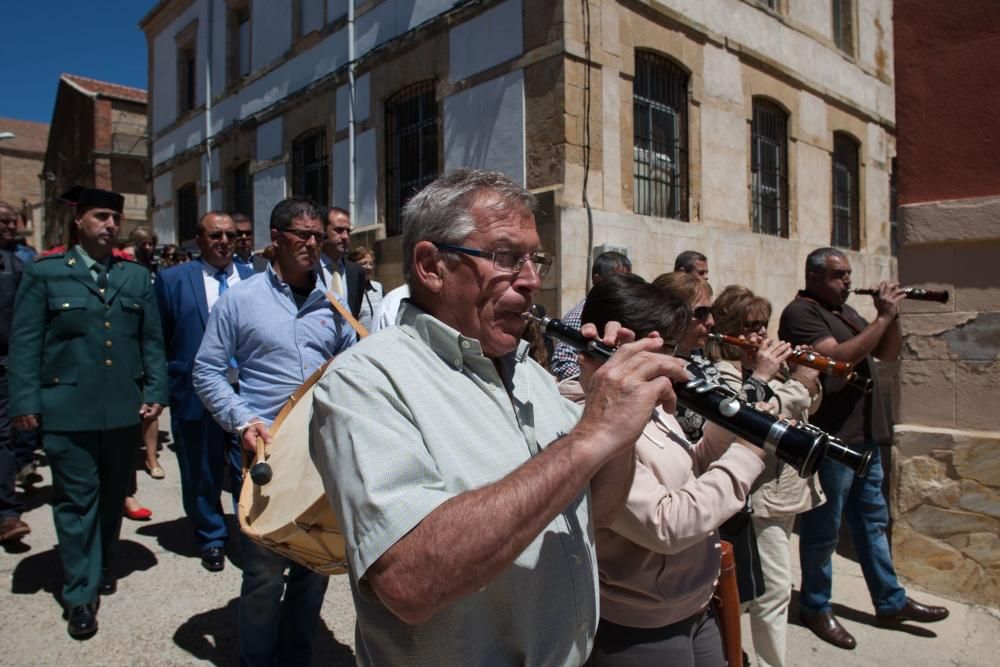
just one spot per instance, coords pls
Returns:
(44, 38)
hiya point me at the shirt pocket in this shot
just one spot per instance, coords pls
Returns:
(55, 375)
(131, 316)
(67, 316)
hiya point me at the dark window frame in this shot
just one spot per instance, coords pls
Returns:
(769, 168)
(240, 190)
(842, 24)
(660, 176)
(412, 144)
(311, 167)
(187, 212)
(845, 172)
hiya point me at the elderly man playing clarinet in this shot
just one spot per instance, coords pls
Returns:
(467, 488)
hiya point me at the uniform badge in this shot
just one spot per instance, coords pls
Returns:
(71, 261)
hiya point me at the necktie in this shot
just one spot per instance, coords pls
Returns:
(102, 277)
(335, 284)
(222, 277)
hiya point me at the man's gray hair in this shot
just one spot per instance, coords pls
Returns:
(440, 213)
(816, 260)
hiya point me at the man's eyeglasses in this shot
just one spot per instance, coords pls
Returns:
(304, 235)
(840, 274)
(505, 260)
(701, 312)
(215, 236)
(244, 233)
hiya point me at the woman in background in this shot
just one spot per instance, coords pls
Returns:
(373, 289)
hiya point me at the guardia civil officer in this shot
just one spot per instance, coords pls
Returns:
(87, 365)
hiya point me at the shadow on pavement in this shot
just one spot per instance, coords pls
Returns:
(174, 536)
(865, 618)
(213, 636)
(34, 497)
(43, 571)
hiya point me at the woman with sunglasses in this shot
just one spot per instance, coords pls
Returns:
(780, 494)
(697, 294)
(660, 558)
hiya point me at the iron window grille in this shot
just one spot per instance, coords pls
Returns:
(411, 121)
(769, 169)
(846, 199)
(311, 167)
(187, 212)
(660, 142)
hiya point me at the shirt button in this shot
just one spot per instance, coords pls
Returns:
(107, 362)
(107, 306)
(107, 343)
(465, 344)
(458, 362)
(576, 559)
(107, 325)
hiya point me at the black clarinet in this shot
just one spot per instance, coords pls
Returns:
(801, 446)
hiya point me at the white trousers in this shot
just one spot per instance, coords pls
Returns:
(769, 612)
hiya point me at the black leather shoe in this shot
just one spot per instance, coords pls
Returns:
(109, 583)
(82, 621)
(213, 559)
(826, 626)
(914, 611)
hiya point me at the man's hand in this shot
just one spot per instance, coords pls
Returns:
(623, 392)
(251, 433)
(771, 353)
(150, 411)
(25, 422)
(887, 299)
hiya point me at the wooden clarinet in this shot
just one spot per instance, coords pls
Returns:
(840, 369)
(916, 293)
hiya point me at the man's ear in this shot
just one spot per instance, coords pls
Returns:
(427, 266)
(275, 234)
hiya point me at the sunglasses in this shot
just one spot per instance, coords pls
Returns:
(215, 236)
(840, 274)
(701, 312)
(244, 234)
(304, 235)
(755, 325)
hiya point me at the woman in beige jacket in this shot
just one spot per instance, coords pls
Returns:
(659, 560)
(779, 494)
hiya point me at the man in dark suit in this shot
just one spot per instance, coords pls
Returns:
(342, 276)
(185, 295)
(89, 368)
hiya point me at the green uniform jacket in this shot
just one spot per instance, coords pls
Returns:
(82, 360)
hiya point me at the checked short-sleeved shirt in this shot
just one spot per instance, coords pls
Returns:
(416, 415)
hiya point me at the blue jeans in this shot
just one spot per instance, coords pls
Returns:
(275, 631)
(861, 502)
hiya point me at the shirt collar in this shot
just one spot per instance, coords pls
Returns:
(87, 260)
(210, 270)
(285, 288)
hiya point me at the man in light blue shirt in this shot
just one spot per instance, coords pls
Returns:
(279, 327)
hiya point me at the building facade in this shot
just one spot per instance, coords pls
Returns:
(22, 151)
(947, 444)
(751, 130)
(97, 138)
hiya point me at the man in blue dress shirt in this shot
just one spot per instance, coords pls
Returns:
(279, 328)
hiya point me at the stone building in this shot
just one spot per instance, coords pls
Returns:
(97, 138)
(21, 155)
(752, 130)
(947, 444)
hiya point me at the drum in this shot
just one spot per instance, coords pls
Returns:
(290, 514)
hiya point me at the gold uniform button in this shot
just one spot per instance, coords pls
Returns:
(107, 362)
(55, 380)
(107, 343)
(65, 305)
(107, 325)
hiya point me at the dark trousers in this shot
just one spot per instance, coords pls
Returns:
(693, 642)
(202, 454)
(90, 472)
(9, 506)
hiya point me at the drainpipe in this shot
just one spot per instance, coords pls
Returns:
(351, 206)
(208, 108)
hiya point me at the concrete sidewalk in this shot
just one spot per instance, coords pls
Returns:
(170, 611)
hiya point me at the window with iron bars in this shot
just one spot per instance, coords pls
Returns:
(311, 167)
(241, 190)
(769, 169)
(846, 200)
(411, 161)
(659, 147)
(187, 212)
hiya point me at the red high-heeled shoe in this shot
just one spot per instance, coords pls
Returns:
(141, 514)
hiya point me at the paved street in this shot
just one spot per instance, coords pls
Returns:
(169, 611)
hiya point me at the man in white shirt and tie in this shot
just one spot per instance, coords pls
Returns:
(341, 276)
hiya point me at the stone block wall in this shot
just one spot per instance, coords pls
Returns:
(946, 497)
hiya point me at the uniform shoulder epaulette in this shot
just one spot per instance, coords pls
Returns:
(55, 255)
